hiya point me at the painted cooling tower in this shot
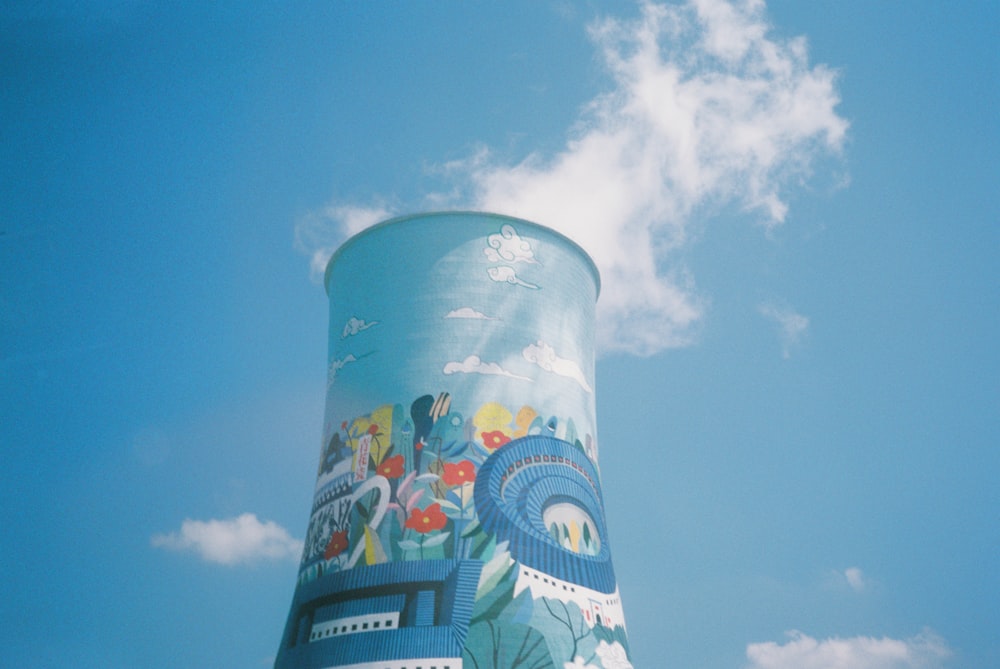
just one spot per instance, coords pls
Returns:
(458, 519)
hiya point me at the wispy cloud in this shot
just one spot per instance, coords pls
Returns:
(851, 578)
(924, 651)
(707, 109)
(856, 579)
(239, 540)
(319, 233)
(792, 326)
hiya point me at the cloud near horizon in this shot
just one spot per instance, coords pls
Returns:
(240, 540)
(707, 110)
(924, 651)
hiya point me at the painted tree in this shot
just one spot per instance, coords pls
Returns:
(564, 626)
(506, 645)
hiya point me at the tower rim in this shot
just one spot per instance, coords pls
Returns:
(461, 212)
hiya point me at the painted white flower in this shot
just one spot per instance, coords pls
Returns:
(613, 656)
(578, 664)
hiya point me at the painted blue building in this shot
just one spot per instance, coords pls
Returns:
(457, 518)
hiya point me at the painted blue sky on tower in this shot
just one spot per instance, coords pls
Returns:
(793, 207)
(444, 328)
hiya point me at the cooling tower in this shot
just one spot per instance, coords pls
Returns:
(457, 520)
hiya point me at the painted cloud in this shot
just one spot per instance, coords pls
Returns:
(506, 274)
(507, 246)
(473, 364)
(354, 326)
(613, 655)
(469, 312)
(336, 366)
(545, 357)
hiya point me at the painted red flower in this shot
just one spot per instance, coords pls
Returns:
(459, 472)
(427, 520)
(392, 468)
(495, 439)
(343, 426)
(373, 429)
(337, 545)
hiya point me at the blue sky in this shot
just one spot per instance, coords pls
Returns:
(794, 209)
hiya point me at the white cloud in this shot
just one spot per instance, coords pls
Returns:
(468, 312)
(233, 541)
(474, 365)
(707, 108)
(792, 326)
(924, 651)
(318, 234)
(855, 578)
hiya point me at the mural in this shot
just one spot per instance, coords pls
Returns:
(461, 527)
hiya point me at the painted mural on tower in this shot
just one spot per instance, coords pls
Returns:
(462, 524)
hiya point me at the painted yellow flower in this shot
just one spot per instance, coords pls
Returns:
(493, 417)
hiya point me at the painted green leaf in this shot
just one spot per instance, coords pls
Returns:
(470, 529)
(436, 540)
(445, 504)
